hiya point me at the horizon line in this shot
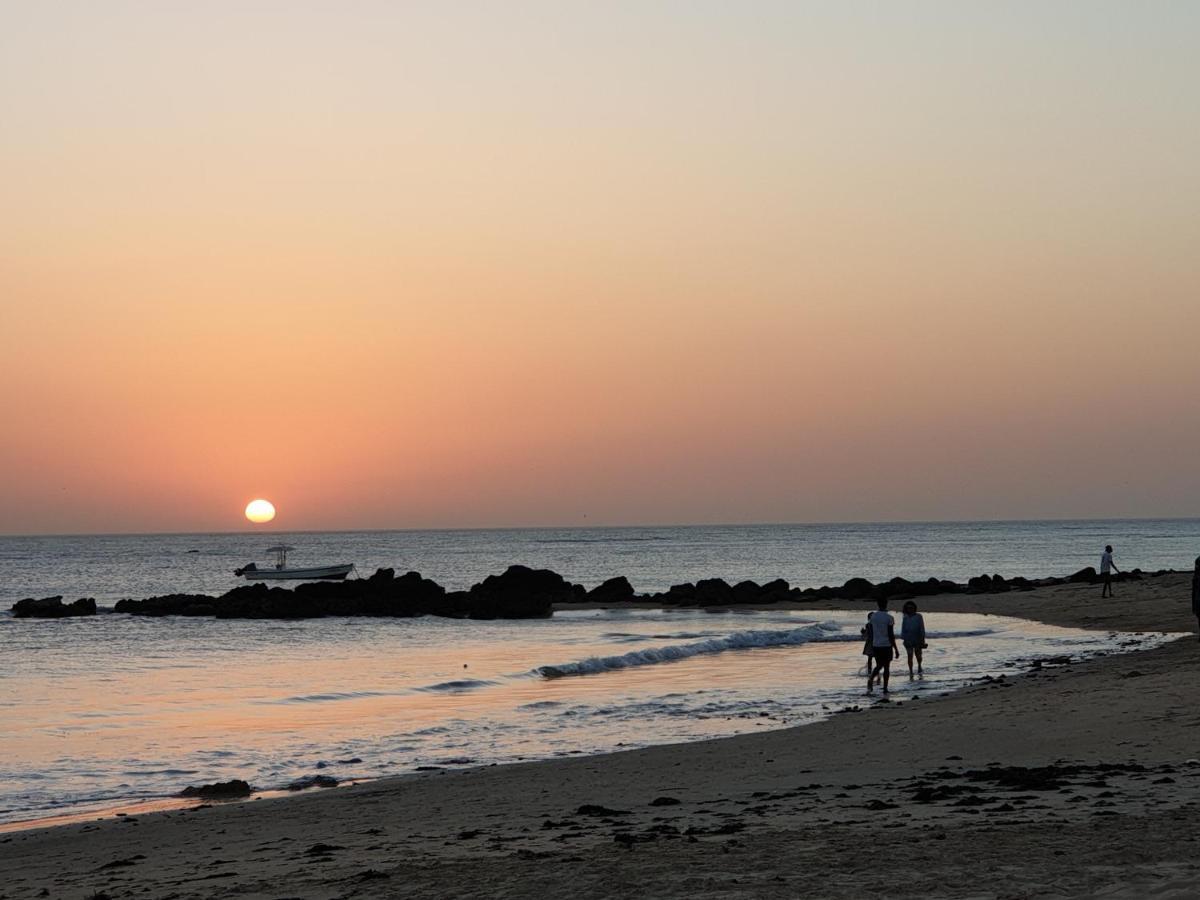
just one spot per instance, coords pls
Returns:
(608, 527)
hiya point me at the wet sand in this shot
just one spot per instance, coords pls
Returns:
(1069, 781)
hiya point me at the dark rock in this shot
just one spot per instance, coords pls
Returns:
(224, 790)
(679, 594)
(898, 588)
(776, 591)
(746, 592)
(980, 584)
(857, 589)
(928, 587)
(383, 594)
(53, 608)
(520, 593)
(170, 605)
(1084, 576)
(713, 592)
(665, 801)
(614, 590)
(312, 781)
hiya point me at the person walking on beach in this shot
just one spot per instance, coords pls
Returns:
(868, 646)
(1196, 593)
(883, 645)
(1107, 567)
(912, 633)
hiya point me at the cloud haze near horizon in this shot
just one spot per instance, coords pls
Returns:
(422, 265)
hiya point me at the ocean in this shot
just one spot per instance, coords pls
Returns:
(111, 709)
(110, 567)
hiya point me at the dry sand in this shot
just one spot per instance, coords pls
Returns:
(1096, 794)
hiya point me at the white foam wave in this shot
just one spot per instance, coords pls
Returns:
(739, 640)
(822, 633)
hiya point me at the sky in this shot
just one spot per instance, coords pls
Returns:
(564, 263)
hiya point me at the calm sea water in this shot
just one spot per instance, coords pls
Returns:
(111, 567)
(112, 708)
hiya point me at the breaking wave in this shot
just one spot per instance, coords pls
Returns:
(817, 633)
(740, 640)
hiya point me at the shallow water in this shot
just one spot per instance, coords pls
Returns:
(112, 708)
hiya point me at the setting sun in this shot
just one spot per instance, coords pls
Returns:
(260, 511)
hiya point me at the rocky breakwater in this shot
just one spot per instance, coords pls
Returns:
(522, 593)
(53, 608)
(519, 593)
(716, 592)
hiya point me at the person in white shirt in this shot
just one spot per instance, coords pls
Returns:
(1107, 567)
(883, 645)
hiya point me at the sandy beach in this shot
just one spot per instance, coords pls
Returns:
(1066, 781)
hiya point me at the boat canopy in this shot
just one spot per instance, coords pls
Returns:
(282, 548)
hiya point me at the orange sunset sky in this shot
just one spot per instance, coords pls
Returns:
(552, 263)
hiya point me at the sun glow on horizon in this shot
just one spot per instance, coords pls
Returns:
(260, 511)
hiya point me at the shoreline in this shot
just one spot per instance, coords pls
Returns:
(717, 783)
(1017, 604)
(97, 810)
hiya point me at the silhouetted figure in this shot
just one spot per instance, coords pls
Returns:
(1107, 567)
(912, 633)
(1196, 593)
(883, 645)
(868, 649)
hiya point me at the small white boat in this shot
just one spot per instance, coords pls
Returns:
(281, 572)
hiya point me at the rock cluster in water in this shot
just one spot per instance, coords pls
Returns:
(53, 608)
(519, 593)
(717, 592)
(224, 790)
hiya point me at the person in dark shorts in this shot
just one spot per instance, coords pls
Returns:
(1107, 567)
(1196, 593)
(883, 645)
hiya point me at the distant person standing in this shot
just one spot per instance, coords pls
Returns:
(883, 645)
(1107, 567)
(1196, 593)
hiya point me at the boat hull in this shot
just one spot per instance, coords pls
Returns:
(315, 573)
